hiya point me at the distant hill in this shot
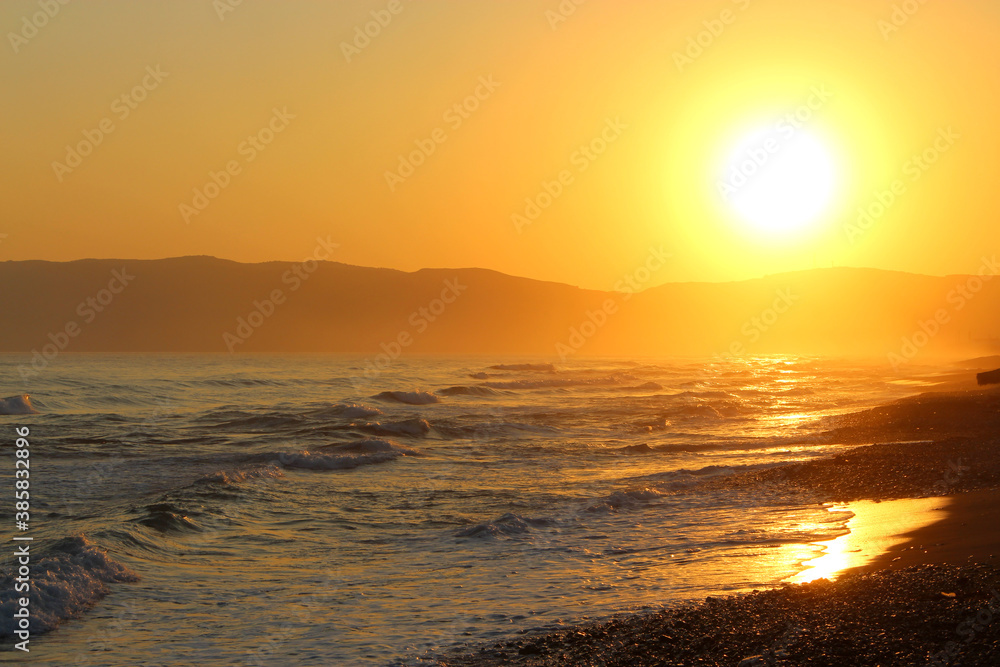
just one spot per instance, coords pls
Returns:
(203, 304)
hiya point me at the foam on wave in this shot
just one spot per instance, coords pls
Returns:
(232, 477)
(407, 427)
(345, 456)
(70, 579)
(348, 411)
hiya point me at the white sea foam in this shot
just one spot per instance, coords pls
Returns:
(355, 410)
(230, 477)
(67, 581)
(344, 456)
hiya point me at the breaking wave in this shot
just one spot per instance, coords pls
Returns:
(70, 579)
(346, 456)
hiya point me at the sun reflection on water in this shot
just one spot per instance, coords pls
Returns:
(874, 529)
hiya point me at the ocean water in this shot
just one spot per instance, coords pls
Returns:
(218, 510)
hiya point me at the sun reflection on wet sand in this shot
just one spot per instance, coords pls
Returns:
(874, 528)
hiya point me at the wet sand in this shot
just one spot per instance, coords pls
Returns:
(968, 531)
(930, 597)
(875, 528)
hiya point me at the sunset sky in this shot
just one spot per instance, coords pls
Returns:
(663, 116)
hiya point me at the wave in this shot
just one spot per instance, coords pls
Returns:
(17, 405)
(491, 428)
(346, 456)
(67, 581)
(541, 368)
(462, 390)
(237, 419)
(167, 518)
(231, 418)
(233, 477)
(712, 393)
(243, 382)
(346, 411)
(724, 409)
(556, 383)
(684, 479)
(409, 397)
(507, 525)
(407, 427)
(626, 499)
(669, 448)
(645, 386)
(633, 450)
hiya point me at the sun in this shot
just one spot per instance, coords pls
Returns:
(779, 179)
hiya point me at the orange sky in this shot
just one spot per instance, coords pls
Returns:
(199, 82)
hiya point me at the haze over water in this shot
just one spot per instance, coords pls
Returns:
(281, 509)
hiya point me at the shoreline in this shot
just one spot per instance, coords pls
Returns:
(931, 598)
(910, 596)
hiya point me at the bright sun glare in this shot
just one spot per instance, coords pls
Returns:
(779, 179)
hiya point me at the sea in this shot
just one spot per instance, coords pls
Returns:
(322, 510)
